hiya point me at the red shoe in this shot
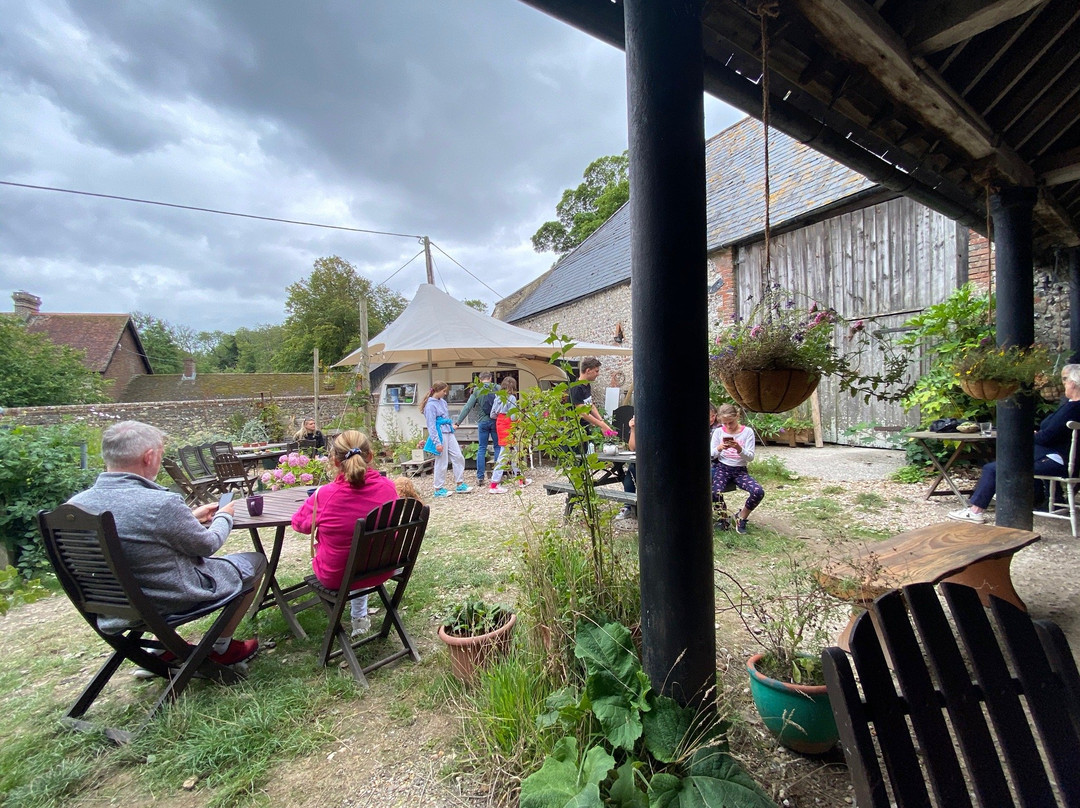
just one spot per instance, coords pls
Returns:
(237, 652)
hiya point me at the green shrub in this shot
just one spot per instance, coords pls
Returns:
(16, 590)
(39, 469)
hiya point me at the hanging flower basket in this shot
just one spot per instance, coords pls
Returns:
(1050, 386)
(770, 390)
(988, 389)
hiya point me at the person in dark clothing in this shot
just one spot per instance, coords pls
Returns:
(309, 432)
(1052, 443)
(483, 396)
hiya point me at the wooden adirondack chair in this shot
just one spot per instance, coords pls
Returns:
(921, 728)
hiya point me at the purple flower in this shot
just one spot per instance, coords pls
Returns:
(757, 329)
(289, 478)
(265, 477)
(278, 473)
(306, 478)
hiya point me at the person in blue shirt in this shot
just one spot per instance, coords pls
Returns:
(483, 396)
(1052, 442)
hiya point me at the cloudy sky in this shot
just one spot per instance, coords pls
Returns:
(462, 120)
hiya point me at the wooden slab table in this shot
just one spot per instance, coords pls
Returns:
(978, 556)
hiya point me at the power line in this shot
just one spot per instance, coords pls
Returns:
(440, 249)
(207, 210)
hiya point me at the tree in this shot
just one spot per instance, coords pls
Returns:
(160, 341)
(477, 304)
(583, 209)
(324, 312)
(36, 372)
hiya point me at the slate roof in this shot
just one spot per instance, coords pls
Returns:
(801, 180)
(96, 334)
(209, 386)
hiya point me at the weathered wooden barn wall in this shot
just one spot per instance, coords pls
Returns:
(881, 264)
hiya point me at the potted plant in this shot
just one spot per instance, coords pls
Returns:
(469, 452)
(773, 359)
(476, 632)
(989, 372)
(791, 618)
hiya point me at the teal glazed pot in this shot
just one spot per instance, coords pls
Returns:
(800, 716)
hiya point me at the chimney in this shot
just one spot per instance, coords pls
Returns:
(26, 305)
(189, 369)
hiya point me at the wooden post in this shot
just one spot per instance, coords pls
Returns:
(315, 387)
(664, 62)
(815, 415)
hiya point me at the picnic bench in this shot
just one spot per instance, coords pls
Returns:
(573, 496)
(417, 468)
(978, 556)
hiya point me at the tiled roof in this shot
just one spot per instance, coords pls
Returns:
(97, 334)
(801, 180)
(209, 386)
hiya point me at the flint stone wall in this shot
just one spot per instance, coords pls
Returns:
(175, 417)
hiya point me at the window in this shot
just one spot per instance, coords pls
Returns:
(400, 394)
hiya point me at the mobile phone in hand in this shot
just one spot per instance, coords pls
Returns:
(226, 498)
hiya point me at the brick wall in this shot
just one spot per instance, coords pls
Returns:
(125, 363)
(174, 417)
(721, 288)
(978, 270)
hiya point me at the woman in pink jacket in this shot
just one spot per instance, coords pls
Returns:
(358, 489)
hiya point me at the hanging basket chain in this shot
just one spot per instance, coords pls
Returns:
(989, 263)
(766, 10)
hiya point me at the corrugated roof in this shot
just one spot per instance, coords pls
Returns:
(97, 334)
(801, 180)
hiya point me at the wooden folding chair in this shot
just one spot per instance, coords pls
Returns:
(219, 448)
(231, 473)
(88, 558)
(385, 547)
(307, 446)
(926, 719)
(1065, 484)
(193, 493)
(192, 461)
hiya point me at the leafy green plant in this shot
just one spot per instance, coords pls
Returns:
(39, 469)
(253, 431)
(909, 474)
(640, 747)
(16, 590)
(470, 450)
(475, 617)
(1010, 364)
(789, 617)
(782, 332)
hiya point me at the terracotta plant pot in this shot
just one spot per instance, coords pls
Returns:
(469, 653)
(987, 389)
(799, 716)
(770, 390)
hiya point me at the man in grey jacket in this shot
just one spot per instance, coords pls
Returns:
(168, 546)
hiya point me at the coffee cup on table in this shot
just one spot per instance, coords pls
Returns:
(255, 505)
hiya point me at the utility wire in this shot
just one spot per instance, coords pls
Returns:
(396, 271)
(206, 210)
(440, 249)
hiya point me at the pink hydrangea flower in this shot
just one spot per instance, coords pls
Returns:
(278, 474)
(289, 478)
(266, 476)
(306, 478)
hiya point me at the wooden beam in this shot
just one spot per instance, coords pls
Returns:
(857, 33)
(1057, 169)
(955, 22)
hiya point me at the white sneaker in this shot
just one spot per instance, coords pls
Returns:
(361, 626)
(968, 515)
(497, 489)
(525, 481)
(624, 513)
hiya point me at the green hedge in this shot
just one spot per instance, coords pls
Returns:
(39, 469)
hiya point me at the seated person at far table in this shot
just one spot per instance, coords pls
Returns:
(733, 445)
(629, 480)
(1052, 442)
(168, 546)
(309, 432)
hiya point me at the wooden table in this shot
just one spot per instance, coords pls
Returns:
(251, 457)
(278, 510)
(617, 469)
(978, 556)
(962, 439)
